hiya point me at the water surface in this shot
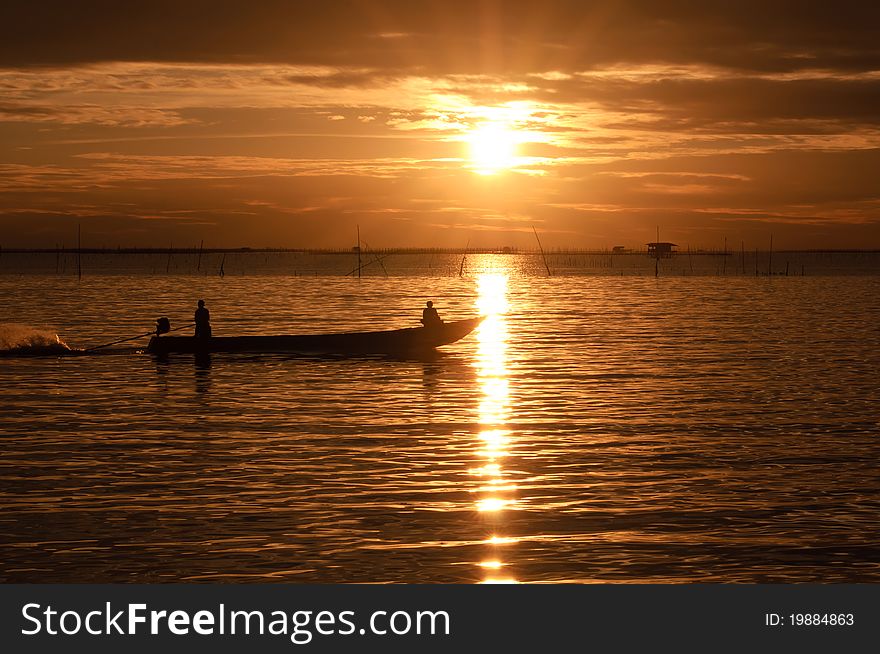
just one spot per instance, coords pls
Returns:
(596, 428)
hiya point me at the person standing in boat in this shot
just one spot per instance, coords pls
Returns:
(430, 317)
(203, 321)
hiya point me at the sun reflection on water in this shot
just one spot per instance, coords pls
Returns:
(495, 494)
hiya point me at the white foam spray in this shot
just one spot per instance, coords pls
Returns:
(24, 339)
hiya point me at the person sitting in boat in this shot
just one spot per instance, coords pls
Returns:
(203, 321)
(430, 317)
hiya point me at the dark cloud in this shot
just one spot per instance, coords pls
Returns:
(340, 79)
(441, 36)
(726, 100)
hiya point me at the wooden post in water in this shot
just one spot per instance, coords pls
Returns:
(542, 251)
(724, 260)
(79, 267)
(657, 255)
(359, 250)
(461, 267)
(770, 258)
(690, 260)
(756, 262)
(168, 263)
(199, 262)
(743, 259)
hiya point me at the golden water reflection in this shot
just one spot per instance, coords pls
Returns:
(495, 494)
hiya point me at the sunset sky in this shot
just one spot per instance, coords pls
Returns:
(438, 123)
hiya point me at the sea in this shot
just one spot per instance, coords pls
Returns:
(704, 418)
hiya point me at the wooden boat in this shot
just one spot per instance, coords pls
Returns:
(396, 341)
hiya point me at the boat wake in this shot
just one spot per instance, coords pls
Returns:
(23, 340)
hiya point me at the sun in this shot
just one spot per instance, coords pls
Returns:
(493, 148)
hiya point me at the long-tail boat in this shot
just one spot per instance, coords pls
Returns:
(411, 340)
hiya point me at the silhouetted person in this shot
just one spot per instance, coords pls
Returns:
(430, 317)
(203, 321)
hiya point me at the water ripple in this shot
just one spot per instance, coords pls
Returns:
(630, 430)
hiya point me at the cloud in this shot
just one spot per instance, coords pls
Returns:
(297, 115)
(669, 99)
(72, 114)
(445, 36)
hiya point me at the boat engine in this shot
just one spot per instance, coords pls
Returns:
(163, 326)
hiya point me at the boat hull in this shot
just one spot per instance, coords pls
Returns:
(397, 341)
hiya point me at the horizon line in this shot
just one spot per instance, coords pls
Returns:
(408, 250)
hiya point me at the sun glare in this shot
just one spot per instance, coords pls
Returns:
(493, 148)
(496, 494)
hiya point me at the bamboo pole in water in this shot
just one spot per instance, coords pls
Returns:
(463, 257)
(770, 258)
(199, 262)
(657, 254)
(79, 268)
(743, 259)
(359, 250)
(376, 258)
(543, 256)
(168, 263)
(756, 262)
(724, 259)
